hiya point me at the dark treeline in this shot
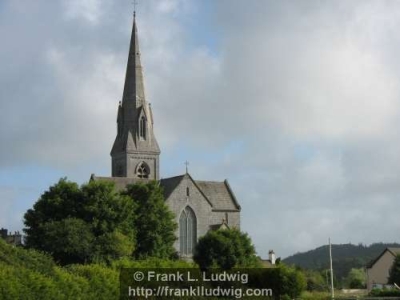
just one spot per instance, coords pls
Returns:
(344, 257)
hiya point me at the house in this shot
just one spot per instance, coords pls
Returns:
(11, 238)
(271, 261)
(379, 268)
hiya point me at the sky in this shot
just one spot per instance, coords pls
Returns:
(296, 103)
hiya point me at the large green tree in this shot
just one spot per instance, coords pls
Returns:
(61, 201)
(394, 273)
(226, 249)
(154, 222)
(356, 279)
(111, 216)
(77, 224)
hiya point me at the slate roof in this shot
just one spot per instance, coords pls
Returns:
(218, 194)
(169, 184)
(120, 182)
(393, 251)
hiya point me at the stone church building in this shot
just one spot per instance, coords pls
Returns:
(199, 206)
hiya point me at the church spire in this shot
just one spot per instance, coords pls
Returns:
(135, 152)
(134, 86)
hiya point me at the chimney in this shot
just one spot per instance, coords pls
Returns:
(272, 257)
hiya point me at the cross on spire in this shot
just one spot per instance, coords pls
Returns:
(135, 3)
(187, 165)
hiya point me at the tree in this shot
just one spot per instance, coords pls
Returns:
(356, 279)
(315, 281)
(292, 281)
(68, 241)
(154, 223)
(226, 249)
(61, 201)
(112, 245)
(394, 273)
(77, 224)
(111, 216)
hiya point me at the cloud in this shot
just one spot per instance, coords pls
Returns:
(9, 215)
(88, 10)
(296, 103)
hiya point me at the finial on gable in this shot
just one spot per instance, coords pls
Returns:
(187, 166)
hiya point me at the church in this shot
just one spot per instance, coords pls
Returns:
(199, 206)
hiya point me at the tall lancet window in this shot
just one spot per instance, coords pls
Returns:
(142, 128)
(187, 232)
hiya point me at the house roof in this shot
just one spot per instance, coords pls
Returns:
(218, 194)
(391, 250)
(266, 263)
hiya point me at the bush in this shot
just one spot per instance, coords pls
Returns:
(226, 249)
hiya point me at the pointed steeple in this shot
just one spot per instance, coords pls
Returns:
(135, 152)
(134, 86)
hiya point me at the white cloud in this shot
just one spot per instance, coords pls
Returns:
(296, 103)
(88, 10)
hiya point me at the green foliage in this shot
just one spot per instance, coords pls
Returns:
(384, 293)
(292, 281)
(76, 225)
(31, 275)
(28, 274)
(286, 282)
(69, 240)
(307, 295)
(112, 245)
(357, 279)
(394, 274)
(111, 216)
(103, 281)
(61, 201)
(94, 223)
(226, 249)
(315, 281)
(155, 263)
(154, 222)
(18, 257)
(106, 210)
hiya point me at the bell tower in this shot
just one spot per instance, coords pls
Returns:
(135, 152)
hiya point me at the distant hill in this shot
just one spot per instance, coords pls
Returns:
(344, 257)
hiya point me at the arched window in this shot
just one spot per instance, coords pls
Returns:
(142, 170)
(187, 232)
(142, 128)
